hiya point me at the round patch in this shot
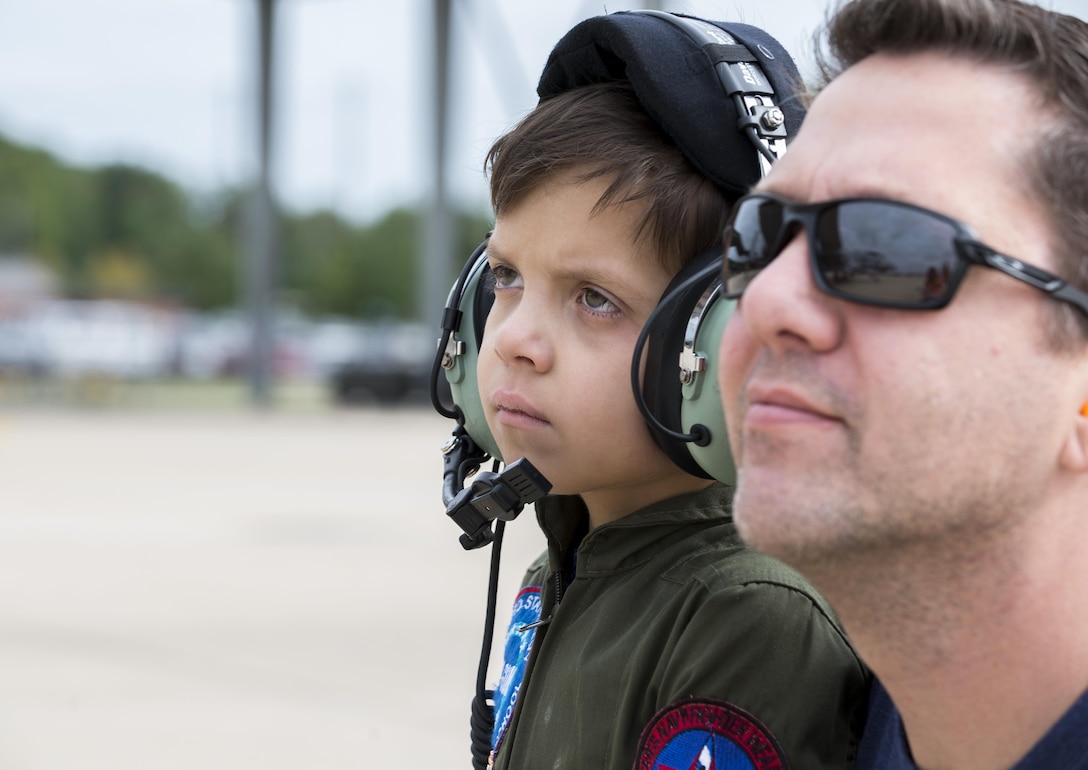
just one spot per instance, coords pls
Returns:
(702, 734)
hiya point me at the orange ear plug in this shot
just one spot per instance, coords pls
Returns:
(1084, 409)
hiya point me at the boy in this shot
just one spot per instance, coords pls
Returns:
(647, 635)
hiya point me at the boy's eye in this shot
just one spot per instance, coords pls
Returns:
(594, 300)
(505, 277)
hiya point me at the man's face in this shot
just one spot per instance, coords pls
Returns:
(572, 292)
(859, 429)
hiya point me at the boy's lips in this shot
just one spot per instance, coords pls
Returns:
(511, 406)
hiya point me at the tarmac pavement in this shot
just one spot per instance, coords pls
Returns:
(195, 589)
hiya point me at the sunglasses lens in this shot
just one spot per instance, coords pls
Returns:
(749, 240)
(887, 254)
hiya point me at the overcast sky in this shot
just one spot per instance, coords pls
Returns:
(169, 84)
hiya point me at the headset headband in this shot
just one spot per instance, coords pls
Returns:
(679, 66)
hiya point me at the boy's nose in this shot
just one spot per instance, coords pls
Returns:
(523, 338)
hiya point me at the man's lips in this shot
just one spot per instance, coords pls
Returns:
(772, 405)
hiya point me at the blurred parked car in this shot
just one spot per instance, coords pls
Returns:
(392, 367)
(216, 345)
(69, 339)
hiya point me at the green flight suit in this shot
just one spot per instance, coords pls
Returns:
(672, 643)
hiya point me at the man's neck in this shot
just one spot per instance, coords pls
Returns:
(982, 649)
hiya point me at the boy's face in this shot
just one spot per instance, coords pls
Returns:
(572, 292)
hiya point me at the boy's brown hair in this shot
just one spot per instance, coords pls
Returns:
(602, 131)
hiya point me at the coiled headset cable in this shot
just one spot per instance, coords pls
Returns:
(482, 717)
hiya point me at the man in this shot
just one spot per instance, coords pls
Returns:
(906, 373)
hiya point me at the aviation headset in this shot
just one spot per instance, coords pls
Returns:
(724, 93)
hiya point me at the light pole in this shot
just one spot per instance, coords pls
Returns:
(435, 261)
(261, 244)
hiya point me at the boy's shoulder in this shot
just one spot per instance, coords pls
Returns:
(537, 571)
(726, 561)
(716, 555)
(725, 565)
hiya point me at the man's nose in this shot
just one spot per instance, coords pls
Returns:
(783, 305)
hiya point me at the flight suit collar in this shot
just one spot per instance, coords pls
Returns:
(632, 540)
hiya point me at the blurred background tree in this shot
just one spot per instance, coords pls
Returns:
(123, 232)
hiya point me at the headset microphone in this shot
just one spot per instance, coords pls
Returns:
(492, 495)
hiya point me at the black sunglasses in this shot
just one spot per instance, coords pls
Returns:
(872, 251)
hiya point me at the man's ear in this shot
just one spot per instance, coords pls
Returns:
(1074, 455)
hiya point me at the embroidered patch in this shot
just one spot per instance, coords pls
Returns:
(702, 734)
(514, 658)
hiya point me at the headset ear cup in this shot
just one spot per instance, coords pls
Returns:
(701, 398)
(474, 303)
(681, 405)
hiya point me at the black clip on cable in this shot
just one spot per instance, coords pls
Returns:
(491, 496)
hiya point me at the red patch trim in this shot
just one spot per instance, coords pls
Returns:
(714, 716)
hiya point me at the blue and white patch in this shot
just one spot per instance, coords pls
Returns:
(703, 734)
(515, 656)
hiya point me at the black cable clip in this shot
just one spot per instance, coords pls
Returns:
(491, 495)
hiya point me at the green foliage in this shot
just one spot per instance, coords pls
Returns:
(123, 231)
(364, 272)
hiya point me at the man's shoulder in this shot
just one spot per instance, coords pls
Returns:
(1065, 746)
(883, 746)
